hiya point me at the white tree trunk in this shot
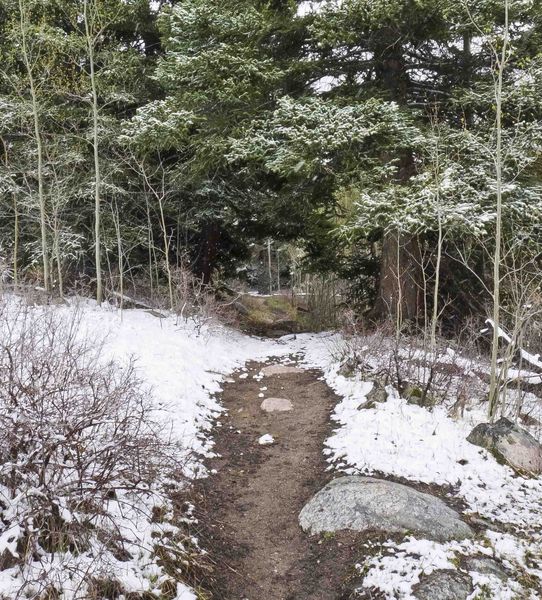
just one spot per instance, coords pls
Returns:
(435, 312)
(494, 375)
(39, 147)
(95, 143)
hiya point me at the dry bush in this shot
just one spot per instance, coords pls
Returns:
(323, 297)
(6, 272)
(191, 299)
(199, 302)
(449, 374)
(82, 462)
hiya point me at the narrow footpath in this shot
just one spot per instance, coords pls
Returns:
(250, 504)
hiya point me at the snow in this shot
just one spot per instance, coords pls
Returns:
(412, 442)
(395, 438)
(532, 359)
(399, 567)
(184, 593)
(184, 365)
(308, 7)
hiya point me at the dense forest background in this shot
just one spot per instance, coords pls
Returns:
(374, 136)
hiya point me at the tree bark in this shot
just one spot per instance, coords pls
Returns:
(209, 251)
(95, 145)
(400, 286)
(39, 148)
(495, 371)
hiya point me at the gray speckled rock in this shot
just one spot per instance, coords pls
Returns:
(277, 405)
(378, 393)
(363, 503)
(486, 566)
(444, 585)
(280, 370)
(509, 443)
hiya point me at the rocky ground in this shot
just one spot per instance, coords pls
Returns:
(280, 525)
(251, 505)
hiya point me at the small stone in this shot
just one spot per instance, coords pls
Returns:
(280, 370)
(277, 405)
(266, 439)
(378, 393)
(486, 566)
(415, 395)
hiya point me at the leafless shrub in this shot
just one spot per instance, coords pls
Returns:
(197, 301)
(82, 461)
(322, 296)
(445, 375)
(6, 272)
(182, 292)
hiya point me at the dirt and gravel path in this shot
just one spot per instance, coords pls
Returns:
(250, 505)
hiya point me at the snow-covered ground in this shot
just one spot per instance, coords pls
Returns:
(182, 363)
(404, 440)
(185, 365)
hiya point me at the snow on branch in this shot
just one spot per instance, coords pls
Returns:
(532, 359)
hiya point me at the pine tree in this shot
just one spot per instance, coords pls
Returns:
(218, 72)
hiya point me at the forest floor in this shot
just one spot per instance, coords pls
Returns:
(252, 502)
(343, 422)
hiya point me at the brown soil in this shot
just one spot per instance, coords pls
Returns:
(250, 506)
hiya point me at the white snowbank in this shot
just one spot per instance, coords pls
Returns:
(404, 440)
(183, 365)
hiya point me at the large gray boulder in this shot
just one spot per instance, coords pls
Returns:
(444, 585)
(364, 503)
(509, 443)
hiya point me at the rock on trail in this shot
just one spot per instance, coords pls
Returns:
(271, 370)
(253, 500)
(276, 405)
(364, 503)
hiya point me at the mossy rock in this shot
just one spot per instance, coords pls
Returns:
(270, 316)
(378, 393)
(509, 444)
(414, 395)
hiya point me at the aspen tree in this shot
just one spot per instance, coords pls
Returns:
(23, 22)
(90, 38)
(501, 61)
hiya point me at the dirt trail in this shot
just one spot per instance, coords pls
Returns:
(251, 505)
